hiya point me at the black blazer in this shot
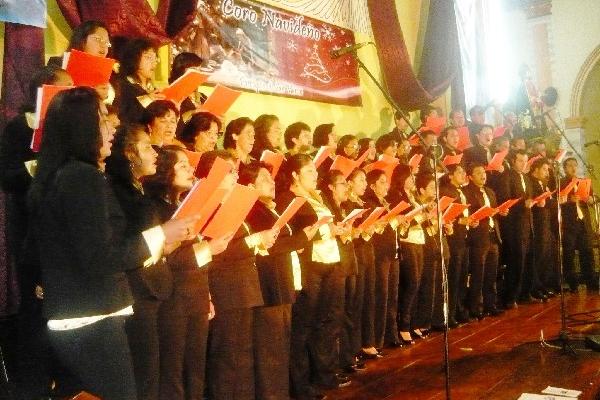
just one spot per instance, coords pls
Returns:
(519, 219)
(541, 215)
(477, 153)
(479, 236)
(347, 255)
(275, 270)
(141, 214)
(84, 245)
(130, 109)
(232, 275)
(569, 212)
(385, 244)
(460, 231)
(190, 294)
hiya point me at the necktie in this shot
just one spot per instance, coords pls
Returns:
(578, 207)
(488, 155)
(463, 200)
(486, 201)
(523, 184)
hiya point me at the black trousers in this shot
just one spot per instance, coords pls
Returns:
(183, 342)
(272, 329)
(423, 312)
(386, 299)
(230, 364)
(349, 330)
(483, 256)
(411, 270)
(438, 289)
(142, 333)
(576, 237)
(315, 326)
(365, 255)
(98, 355)
(458, 271)
(520, 254)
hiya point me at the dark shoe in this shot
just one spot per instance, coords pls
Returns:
(493, 312)
(510, 306)
(540, 296)
(343, 380)
(407, 339)
(452, 323)
(368, 356)
(478, 316)
(350, 369)
(360, 365)
(550, 293)
(394, 345)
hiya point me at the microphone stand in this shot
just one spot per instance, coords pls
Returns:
(436, 155)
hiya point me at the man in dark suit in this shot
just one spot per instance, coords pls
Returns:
(457, 242)
(518, 229)
(477, 115)
(576, 233)
(400, 130)
(483, 241)
(482, 153)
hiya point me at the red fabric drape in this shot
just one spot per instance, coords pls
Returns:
(133, 18)
(441, 58)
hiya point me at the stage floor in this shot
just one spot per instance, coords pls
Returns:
(493, 359)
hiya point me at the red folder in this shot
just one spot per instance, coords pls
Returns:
(289, 212)
(383, 166)
(184, 86)
(507, 205)
(354, 214)
(400, 207)
(567, 189)
(87, 69)
(435, 124)
(496, 161)
(482, 213)
(196, 203)
(233, 212)
(464, 140)
(322, 154)
(414, 212)
(372, 218)
(543, 197)
(220, 100)
(445, 202)
(532, 160)
(388, 159)
(273, 159)
(452, 160)
(414, 140)
(193, 157)
(584, 188)
(453, 211)
(360, 160)
(499, 131)
(415, 161)
(344, 165)
(45, 94)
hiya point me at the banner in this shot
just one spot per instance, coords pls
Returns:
(25, 12)
(256, 47)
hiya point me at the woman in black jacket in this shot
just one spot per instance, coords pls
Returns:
(185, 312)
(85, 248)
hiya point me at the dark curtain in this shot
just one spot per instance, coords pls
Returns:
(133, 18)
(440, 61)
(23, 55)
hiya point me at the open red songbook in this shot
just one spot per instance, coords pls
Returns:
(496, 161)
(464, 141)
(435, 124)
(532, 160)
(322, 154)
(196, 203)
(452, 160)
(383, 166)
(507, 205)
(273, 159)
(414, 140)
(388, 159)
(45, 94)
(232, 213)
(567, 189)
(360, 160)
(445, 202)
(453, 211)
(220, 100)
(543, 197)
(399, 208)
(193, 157)
(482, 213)
(409, 216)
(372, 218)
(344, 165)
(184, 86)
(354, 214)
(584, 188)
(87, 69)
(289, 212)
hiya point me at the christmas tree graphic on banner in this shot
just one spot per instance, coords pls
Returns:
(314, 68)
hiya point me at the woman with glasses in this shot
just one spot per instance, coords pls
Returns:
(135, 86)
(201, 132)
(239, 139)
(348, 147)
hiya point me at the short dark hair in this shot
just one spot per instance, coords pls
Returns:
(539, 163)
(321, 135)
(476, 109)
(364, 143)
(452, 168)
(158, 109)
(447, 129)
(482, 127)
(374, 175)
(399, 176)
(568, 159)
(423, 179)
(262, 125)
(118, 165)
(424, 113)
(384, 141)
(291, 165)
(182, 62)
(131, 55)
(293, 132)
(515, 153)
(208, 159)
(199, 122)
(46, 75)
(249, 172)
(234, 128)
(342, 143)
(454, 111)
(71, 131)
(475, 164)
(81, 33)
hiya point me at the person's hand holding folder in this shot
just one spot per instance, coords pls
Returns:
(179, 230)
(219, 245)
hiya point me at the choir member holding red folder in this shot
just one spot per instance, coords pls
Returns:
(313, 329)
(267, 136)
(278, 271)
(450, 140)
(201, 133)
(484, 246)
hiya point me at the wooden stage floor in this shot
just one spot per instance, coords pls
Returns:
(493, 359)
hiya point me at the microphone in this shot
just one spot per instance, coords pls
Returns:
(348, 49)
(592, 143)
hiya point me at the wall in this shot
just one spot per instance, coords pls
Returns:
(373, 118)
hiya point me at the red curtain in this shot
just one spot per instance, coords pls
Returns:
(133, 18)
(440, 61)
